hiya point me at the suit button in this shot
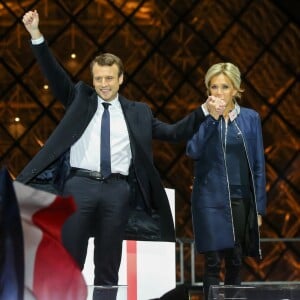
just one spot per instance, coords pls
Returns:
(34, 171)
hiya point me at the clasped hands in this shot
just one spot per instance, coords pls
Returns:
(215, 106)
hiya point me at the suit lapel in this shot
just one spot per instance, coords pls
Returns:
(132, 120)
(93, 104)
(131, 114)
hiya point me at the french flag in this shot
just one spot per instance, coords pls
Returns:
(37, 261)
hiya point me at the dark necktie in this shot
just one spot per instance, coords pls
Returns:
(105, 142)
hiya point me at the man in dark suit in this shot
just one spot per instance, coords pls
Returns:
(127, 203)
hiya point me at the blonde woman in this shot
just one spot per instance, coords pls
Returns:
(228, 197)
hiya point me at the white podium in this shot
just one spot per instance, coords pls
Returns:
(148, 269)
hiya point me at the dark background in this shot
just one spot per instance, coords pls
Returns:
(167, 46)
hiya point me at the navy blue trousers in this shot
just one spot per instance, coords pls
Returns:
(102, 212)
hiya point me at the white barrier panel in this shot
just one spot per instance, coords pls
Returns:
(147, 268)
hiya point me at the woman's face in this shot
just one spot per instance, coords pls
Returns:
(221, 87)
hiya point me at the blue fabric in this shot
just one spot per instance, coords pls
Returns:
(211, 207)
(105, 166)
(236, 162)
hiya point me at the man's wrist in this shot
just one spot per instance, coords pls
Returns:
(35, 34)
(38, 40)
(205, 109)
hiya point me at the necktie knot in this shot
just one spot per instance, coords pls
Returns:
(105, 105)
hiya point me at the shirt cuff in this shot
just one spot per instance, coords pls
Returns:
(38, 41)
(205, 111)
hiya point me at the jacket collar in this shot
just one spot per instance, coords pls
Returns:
(235, 112)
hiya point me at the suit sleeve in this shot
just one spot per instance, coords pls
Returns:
(60, 83)
(179, 131)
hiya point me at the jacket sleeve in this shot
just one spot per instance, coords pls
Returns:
(60, 82)
(179, 131)
(197, 143)
(259, 169)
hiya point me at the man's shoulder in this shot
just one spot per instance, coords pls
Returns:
(84, 87)
(132, 103)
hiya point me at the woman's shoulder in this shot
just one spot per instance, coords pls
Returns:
(246, 111)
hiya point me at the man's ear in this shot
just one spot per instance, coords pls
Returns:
(121, 78)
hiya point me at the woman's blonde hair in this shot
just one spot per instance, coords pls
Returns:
(229, 70)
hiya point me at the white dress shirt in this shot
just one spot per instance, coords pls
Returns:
(85, 153)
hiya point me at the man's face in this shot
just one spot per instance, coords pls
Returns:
(106, 81)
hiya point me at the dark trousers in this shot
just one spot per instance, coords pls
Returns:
(102, 211)
(233, 257)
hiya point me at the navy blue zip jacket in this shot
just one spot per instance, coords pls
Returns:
(211, 209)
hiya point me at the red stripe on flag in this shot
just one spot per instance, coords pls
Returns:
(131, 270)
(61, 208)
(56, 275)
